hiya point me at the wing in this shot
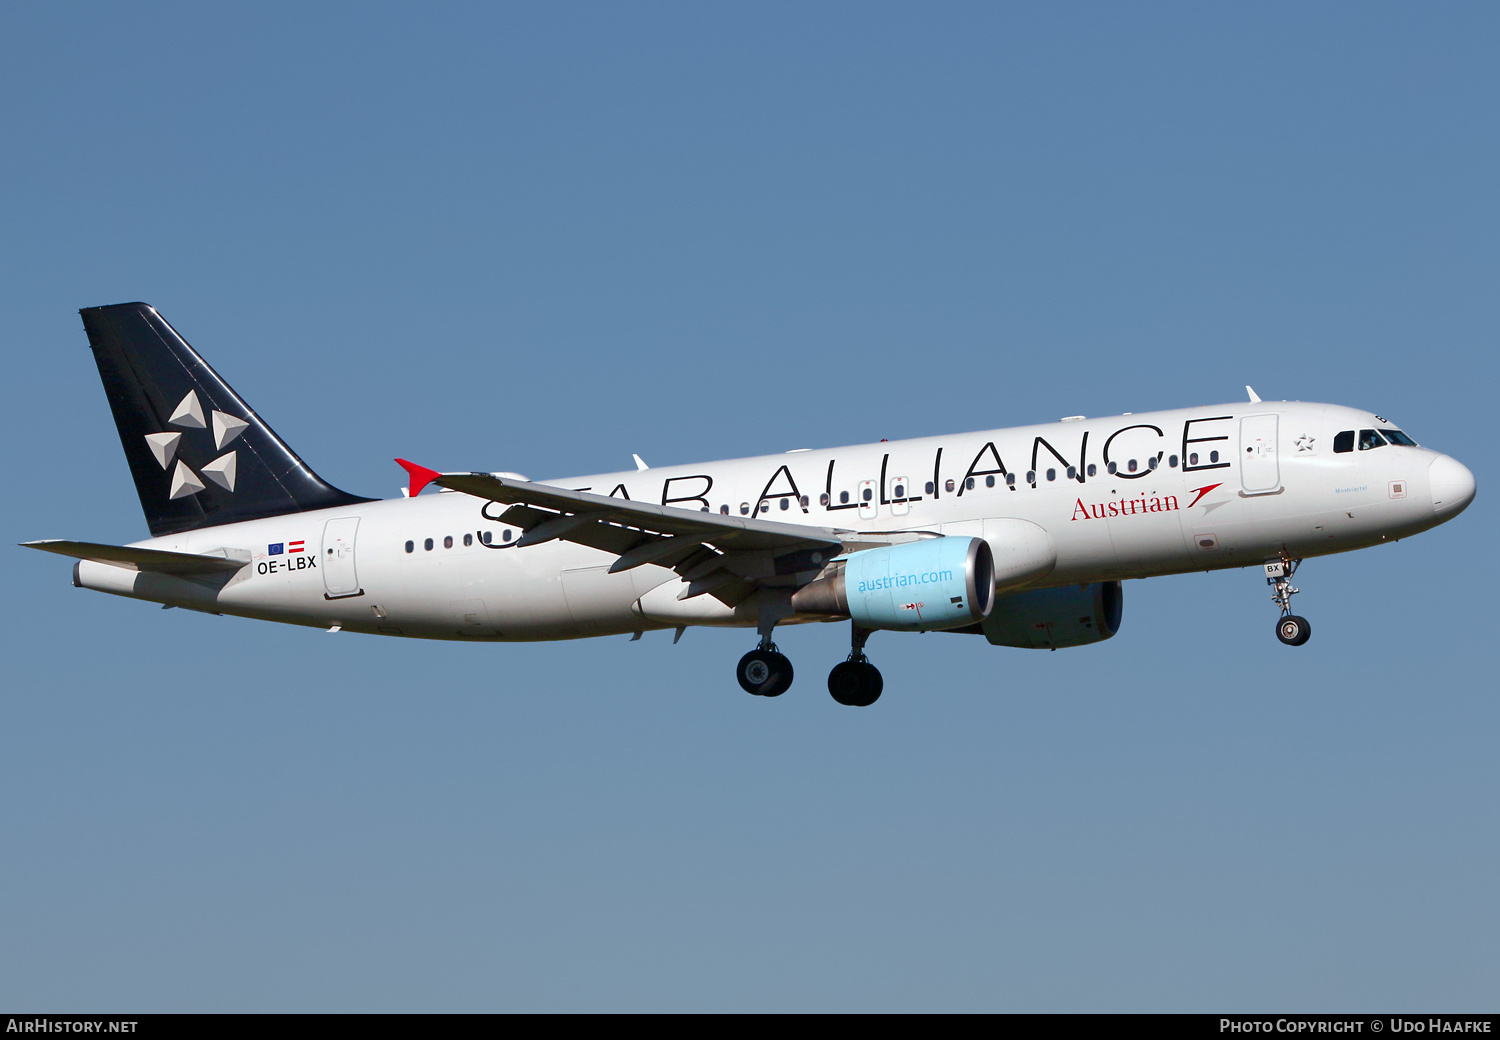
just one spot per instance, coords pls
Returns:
(132, 558)
(726, 556)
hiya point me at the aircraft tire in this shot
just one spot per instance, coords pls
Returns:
(1293, 630)
(855, 684)
(764, 673)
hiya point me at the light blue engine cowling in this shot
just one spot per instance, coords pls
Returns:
(921, 586)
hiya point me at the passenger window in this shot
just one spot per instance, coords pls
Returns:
(1031, 476)
(724, 509)
(1072, 473)
(1193, 459)
(410, 546)
(448, 541)
(427, 544)
(786, 504)
(823, 499)
(1151, 462)
(1397, 437)
(468, 539)
(1052, 474)
(803, 501)
(505, 537)
(1172, 461)
(765, 507)
(1113, 469)
(1093, 469)
(1131, 465)
(1370, 439)
(843, 498)
(867, 494)
(744, 509)
(931, 487)
(485, 538)
(1213, 456)
(1010, 480)
(969, 484)
(948, 484)
(989, 481)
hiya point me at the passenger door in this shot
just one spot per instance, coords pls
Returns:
(337, 557)
(1259, 470)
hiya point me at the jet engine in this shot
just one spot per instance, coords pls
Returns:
(925, 586)
(1046, 619)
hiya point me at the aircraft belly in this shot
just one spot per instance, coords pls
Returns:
(601, 602)
(1083, 551)
(525, 597)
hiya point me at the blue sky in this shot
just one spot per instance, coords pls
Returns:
(540, 238)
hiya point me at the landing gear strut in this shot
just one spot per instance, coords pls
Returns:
(1290, 629)
(856, 682)
(764, 671)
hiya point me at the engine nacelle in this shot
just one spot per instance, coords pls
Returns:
(925, 586)
(1046, 619)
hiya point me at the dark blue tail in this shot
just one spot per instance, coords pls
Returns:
(199, 455)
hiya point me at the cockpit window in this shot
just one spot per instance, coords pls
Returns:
(1344, 441)
(1397, 437)
(1370, 439)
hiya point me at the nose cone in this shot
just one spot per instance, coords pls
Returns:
(1452, 486)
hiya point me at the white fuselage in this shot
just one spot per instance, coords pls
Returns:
(1191, 489)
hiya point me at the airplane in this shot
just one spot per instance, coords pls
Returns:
(1021, 536)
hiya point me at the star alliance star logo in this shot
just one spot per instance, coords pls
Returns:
(1305, 443)
(189, 416)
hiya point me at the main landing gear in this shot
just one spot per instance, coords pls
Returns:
(1290, 629)
(766, 672)
(856, 682)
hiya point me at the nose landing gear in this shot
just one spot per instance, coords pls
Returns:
(856, 682)
(1290, 629)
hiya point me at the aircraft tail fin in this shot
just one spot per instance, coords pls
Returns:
(199, 454)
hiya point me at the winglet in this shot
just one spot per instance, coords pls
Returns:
(1254, 397)
(421, 476)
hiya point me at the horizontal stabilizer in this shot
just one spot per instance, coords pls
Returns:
(130, 557)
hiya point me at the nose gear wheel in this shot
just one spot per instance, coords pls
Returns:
(1291, 629)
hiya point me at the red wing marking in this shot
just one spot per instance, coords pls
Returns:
(421, 476)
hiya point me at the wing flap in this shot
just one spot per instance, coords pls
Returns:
(729, 533)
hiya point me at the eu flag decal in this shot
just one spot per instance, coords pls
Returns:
(276, 549)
